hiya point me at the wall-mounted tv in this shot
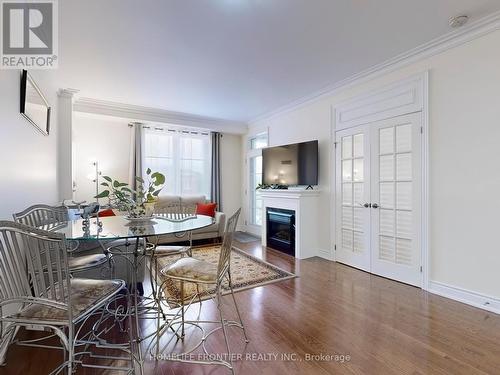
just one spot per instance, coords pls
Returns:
(289, 165)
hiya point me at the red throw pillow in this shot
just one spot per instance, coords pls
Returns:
(105, 213)
(206, 209)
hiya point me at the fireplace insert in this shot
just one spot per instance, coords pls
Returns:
(281, 230)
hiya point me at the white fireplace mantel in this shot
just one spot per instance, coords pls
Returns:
(305, 203)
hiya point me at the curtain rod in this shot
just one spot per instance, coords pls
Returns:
(180, 130)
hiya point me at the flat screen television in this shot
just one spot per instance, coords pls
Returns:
(291, 165)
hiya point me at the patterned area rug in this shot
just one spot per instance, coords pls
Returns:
(246, 272)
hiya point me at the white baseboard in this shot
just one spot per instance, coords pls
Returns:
(466, 296)
(325, 254)
(241, 227)
(256, 231)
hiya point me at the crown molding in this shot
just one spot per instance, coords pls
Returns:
(474, 30)
(140, 113)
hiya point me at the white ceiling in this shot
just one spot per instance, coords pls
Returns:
(237, 59)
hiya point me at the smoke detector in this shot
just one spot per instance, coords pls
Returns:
(458, 21)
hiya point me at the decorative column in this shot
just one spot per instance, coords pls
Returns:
(66, 99)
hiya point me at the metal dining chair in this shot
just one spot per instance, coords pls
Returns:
(192, 270)
(154, 252)
(50, 218)
(169, 210)
(36, 289)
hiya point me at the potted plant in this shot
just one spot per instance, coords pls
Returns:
(138, 203)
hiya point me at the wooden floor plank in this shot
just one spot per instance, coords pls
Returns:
(383, 326)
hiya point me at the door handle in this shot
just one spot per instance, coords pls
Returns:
(365, 205)
(375, 205)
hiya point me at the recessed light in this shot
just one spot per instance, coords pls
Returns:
(458, 21)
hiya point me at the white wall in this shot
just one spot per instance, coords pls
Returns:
(28, 167)
(107, 139)
(102, 138)
(231, 173)
(464, 155)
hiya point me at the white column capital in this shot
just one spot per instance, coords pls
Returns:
(67, 93)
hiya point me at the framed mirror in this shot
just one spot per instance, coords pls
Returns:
(34, 106)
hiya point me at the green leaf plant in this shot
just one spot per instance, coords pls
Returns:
(124, 198)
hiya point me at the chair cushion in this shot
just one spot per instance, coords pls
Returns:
(167, 250)
(86, 261)
(207, 209)
(191, 269)
(85, 294)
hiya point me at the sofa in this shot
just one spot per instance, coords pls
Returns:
(175, 203)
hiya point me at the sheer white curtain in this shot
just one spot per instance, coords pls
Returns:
(183, 156)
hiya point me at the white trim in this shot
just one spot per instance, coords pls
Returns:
(325, 254)
(305, 203)
(108, 108)
(249, 154)
(258, 130)
(333, 193)
(376, 110)
(468, 297)
(400, 98)
(68, 93)
(425, 209)
(256, 230)
(474, 30)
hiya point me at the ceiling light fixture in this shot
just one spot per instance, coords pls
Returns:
(458, 21)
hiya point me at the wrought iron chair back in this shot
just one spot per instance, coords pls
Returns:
(42, 216)
(35, 274)
(34, 267)
(227, 244)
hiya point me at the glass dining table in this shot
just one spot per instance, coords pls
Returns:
(106, 230)
(119, 227)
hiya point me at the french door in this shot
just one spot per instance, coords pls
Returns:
(378, 187)
(353, 197)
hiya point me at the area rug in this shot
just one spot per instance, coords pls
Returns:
(246, 272)
(245, 237)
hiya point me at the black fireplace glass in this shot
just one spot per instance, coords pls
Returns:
(281, 230)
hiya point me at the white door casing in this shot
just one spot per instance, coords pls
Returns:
(378, 190)
(252, 226)
(406, 97)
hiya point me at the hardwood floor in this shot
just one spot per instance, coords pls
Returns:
(373, 326)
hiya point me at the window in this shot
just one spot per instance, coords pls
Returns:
(255, 176)
(255, 180)
(258, 142)
(183, 156)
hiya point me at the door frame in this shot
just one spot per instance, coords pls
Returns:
(248, 153)
(404, 97)
(251, 227)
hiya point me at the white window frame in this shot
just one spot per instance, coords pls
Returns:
(251, 227)
(177, 131)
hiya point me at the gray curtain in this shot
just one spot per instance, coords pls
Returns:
(215, 187)
(135, 169)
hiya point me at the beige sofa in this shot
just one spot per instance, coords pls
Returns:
(171, 203)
